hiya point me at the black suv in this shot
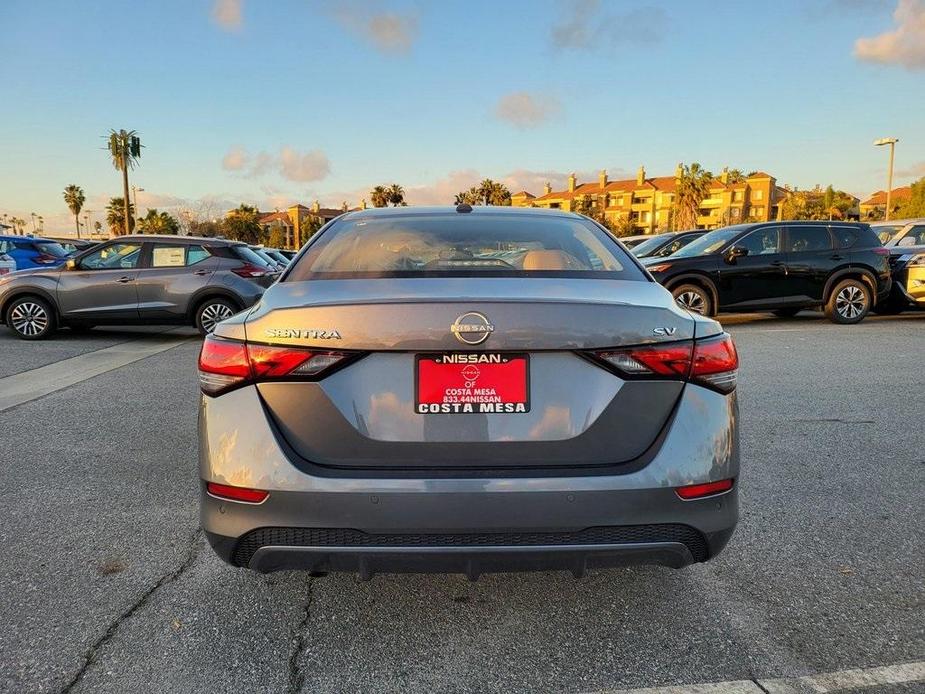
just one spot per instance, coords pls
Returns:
(781, 267)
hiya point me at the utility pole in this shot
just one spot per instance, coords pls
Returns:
(891, 141)
(135, 202)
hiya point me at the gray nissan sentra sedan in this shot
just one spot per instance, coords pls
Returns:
(467, 390)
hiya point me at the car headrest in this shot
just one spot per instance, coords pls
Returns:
(550, 260)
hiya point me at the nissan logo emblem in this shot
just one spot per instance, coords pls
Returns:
(472, 328)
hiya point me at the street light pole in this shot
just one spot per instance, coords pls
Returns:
(891, 141)
(135, 201)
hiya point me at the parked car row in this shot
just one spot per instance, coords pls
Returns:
(140, 279)
(847, 269)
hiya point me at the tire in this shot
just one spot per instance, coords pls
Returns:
(211, 312)
(786, 312)
(693, 298)
(31, 318)
(849, 302)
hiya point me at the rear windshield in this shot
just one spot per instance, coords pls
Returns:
(641, 250)
(245, 253)
(464, 245)
(51, 248)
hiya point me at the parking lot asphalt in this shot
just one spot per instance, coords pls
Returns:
(108, 586)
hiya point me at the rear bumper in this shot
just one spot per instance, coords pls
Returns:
(468, 525)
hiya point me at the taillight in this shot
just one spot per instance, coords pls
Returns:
(699, 491)
(880, 250)
(227, 364)
(712, 362)
(661, 267)
(45, 259)
(250, 270)
(245, 494)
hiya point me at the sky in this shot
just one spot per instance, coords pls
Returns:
(272, 102)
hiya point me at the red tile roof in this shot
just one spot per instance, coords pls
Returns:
(879, 198)
(274, 217)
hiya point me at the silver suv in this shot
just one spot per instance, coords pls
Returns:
(146, 280)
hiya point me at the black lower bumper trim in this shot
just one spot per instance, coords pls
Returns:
(344, 549)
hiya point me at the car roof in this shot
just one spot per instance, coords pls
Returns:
(14, 237)
(179, 239)
(448, 210)
(898, 222)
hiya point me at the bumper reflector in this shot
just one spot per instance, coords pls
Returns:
(699, 491)
(225, 491)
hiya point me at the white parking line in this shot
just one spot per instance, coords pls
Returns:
(902, 673)
(29, 385)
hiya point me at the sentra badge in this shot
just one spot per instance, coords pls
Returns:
(307, 333)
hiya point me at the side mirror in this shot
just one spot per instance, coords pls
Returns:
(70, 264)
(735, 252)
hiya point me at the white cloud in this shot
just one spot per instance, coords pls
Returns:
(236, 159)
(904, 45)
(387, 32)
(586, 25)
(916, 170)
(526, 110)
(289, 163)
(311, 166)
(227, 14)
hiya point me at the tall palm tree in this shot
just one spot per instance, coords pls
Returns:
(379, 196)
(115, 216)
(125, 149)
(693, 186)
(397, 195)
(74, 198)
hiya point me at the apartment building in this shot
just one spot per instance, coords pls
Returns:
(648, 202)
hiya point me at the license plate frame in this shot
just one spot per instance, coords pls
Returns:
(509, 367)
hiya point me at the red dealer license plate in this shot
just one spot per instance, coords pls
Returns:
(472, 383)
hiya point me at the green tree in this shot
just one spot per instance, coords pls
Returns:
(488, 192)
(379, 196)
(623, 226)
(125, 149)
(277, 237)
(915, 205)
(397, 195)
(74, 198)
(693, 187)
(468, 197)
(735, 176)
(242, 225)
(115, 217)
(158, 223)
(310, 225)
(206, 228)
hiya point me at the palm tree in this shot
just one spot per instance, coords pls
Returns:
(75, 199)
(397, 195)
(158, 223)
(379, 196)
(125, 148)
(693, 186)
(115, 216)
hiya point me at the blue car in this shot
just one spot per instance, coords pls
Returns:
(32, 251)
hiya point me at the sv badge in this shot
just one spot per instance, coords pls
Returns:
(664, 332)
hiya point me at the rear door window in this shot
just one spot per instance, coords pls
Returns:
(464, 245)
(845, 237)
(180, 255)
(808, 239)
(765, 241)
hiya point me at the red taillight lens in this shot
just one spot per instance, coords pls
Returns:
(712, 362)
(223, 365)
(245, 494)
(699, 491)
(716, 363)
(880, 250)
(226, 364)
(250, 270)
(45, 259)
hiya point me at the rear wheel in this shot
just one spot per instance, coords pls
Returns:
(849, 302)
(694, 298)
(31, 318)
(213, 311)
(786, 312)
